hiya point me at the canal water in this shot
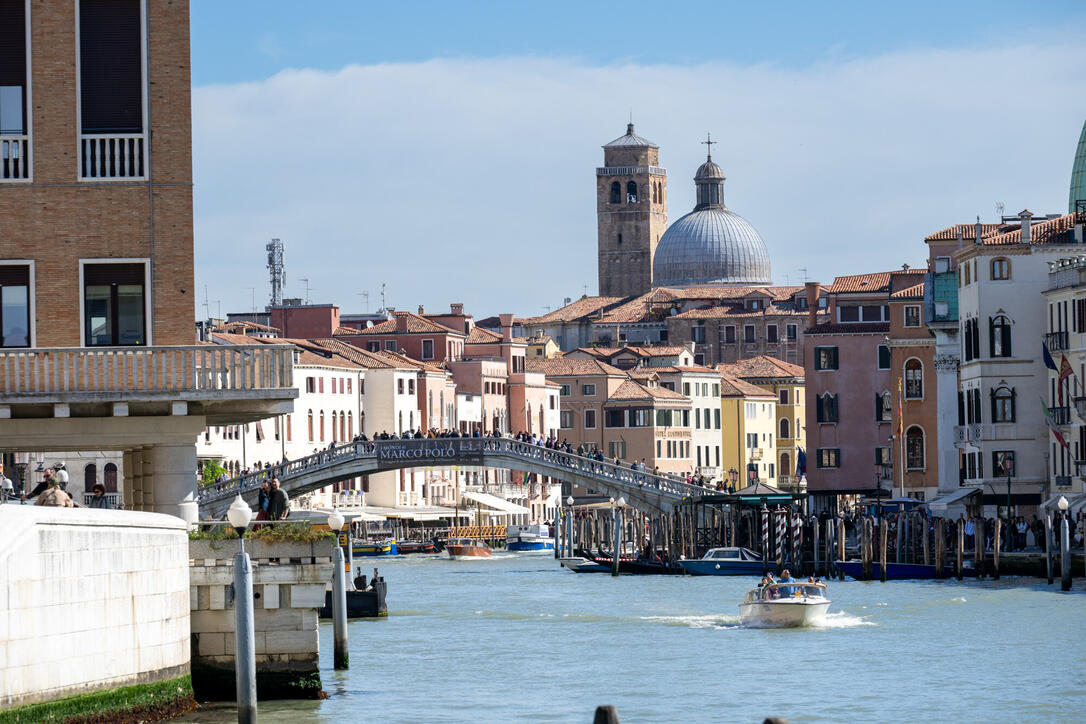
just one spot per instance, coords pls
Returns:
(516, 638)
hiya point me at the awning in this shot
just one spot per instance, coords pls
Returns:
(350, 513)
(939, 505)
(493, 501)
(422, 512)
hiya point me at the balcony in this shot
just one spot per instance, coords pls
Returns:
(1056, 341)
(1063, 481)
(111, 156)
(14, 158)
(1061, 415)
(113, 500)
(236, 382)
(629, 170)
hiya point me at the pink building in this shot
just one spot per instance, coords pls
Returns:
(308, 321)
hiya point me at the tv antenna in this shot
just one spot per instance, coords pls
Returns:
(384, 306)
(277, 270)
(365, 302)
(305, 280)
(999, 209)
(207, 305)
(252, 299)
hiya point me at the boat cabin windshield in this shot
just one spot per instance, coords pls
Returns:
(780, 591)
(735, 554)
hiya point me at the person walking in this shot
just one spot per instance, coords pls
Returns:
(99, 499)
(279, 502)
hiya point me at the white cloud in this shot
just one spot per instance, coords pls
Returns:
(473, 180)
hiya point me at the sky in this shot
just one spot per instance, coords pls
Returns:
(446, 152)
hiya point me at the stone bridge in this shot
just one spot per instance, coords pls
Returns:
(642, 490)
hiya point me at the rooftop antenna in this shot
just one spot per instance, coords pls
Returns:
(277, 271)
(207, 306)
(383, 305)
(365, 301)
(305, 280)
(999, 209)
(252, 299)
(803, 270)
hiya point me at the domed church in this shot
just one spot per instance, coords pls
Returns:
(710, 246)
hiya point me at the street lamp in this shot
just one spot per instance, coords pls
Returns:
(569, 526)
(239, 514)
(616, 532)
(1065, 545)
(339, 595)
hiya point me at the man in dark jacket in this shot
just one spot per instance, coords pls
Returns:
(278, 502)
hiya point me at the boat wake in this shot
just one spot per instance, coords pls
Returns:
(840, 619)
(712, 621)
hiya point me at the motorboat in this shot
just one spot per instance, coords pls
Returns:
(728, 561)
(467, 548)
(385, 547)
(579, 564)
(529, 538)
(785, 605)
(638, 566)
(903, 571)
(416, 546)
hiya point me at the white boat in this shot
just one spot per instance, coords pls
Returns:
(578, 564)
(785, 605)
(529, 538)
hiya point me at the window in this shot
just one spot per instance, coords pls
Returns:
(588, 390)
(748, 333)
(631, 192)
(320, 384)
(1003, 463)
(614, 418)
(111, 88)
(399, 386)
(914, 380)
(616, 193)
(783, 396)
(848, 314)
(109, 477)
(373, 346)
(1001, 269)
(13, 91)
(617, 449)
(771, 333)
(565, 419)
(752, 440)
(427, 349)
(663, 335)
(790, 331)
(114, 305)
(883, 407)
(310, 384)
(729, 334)
(1003, 399)
(348, 385)
(829, 457)
(882, 456)
(873, 313)
(1000, 336)
(322, 426)
(390, 345)
(564, 391)
(590, 419)
(971, 339)
(825, 358)
(698, 334)
(912, 315)
(716, 419)
(884, 357)
(411, 387)
(310, 418)
(826, 408)
(289, 435)
(716, 389)
(14, 302)
(914, 448)
(786, 429)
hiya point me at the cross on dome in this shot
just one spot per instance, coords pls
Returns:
(708, 146)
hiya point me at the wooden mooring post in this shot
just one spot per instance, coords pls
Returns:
(979, 539)
(924, 528)
(995, 547)
(960, 531)
(815, 530)
(865, 547)
(884, 533)
(1048, 546)
(840, 537)
(940, 547)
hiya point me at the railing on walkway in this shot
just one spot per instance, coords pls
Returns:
(477, 531)
(112, 156)
(458, 449)
(14, 158)
(112, 499)
(130, 369)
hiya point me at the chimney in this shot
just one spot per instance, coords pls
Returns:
(456, 308)
(960, 237)
(422, 310)
(1025, 215)
(978, 230)
(812, 289)
(506, 321)
(401, 322)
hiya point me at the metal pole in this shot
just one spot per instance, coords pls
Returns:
(765, 539)
(1048, 546)
(339, 610)
(1065, 553)
(569, 531)
(244, 638)
(616, 538)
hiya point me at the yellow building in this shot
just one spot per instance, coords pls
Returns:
(785, 381)
(749, 416)
(543, 347)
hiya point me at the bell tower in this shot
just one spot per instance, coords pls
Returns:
(631, 207)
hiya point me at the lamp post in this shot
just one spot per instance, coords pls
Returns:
(1065, 545)
(340, 657)
(616, 523)
(569, 526)
(239, 516)
(1008, 466)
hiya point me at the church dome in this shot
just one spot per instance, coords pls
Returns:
(712, 244)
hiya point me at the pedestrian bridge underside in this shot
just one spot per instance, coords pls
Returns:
(642, 490)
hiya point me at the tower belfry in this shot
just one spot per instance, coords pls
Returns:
(631, 208)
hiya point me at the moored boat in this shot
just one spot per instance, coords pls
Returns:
(728, 561)
(529, 538)
(902, 571)
(579, 564)
(385, 547)
(785, 605)
(639, 567)
(467, 548)
(416, 546)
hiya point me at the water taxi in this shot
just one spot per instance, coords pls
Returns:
(529, 538)
(467, 548)
(385, 547)
(785, 605)
(727, 562)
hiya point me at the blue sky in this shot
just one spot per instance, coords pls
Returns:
(447, 150)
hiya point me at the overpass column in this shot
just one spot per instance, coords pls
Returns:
(127, 487)
(173, 489)
(148, 480)
(136, 475)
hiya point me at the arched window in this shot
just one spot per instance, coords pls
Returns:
(631, 192)
(90, 476)
(350, 426)
(786, 466)
(999, 336)
(914, 448)
(1003, 399)
(110, 474)
(310, 426)
(342, 427)
(786, 429)
(826, 408)
(914, 379)
(322, 426)
(1001, 268)
(616, 193)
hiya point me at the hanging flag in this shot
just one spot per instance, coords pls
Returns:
(900, 409)
(801, 462)
(1052, 427)
(1048, 412)
(1049, 362)
(1065, 372)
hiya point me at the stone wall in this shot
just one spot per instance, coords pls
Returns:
(89, 600)
(289, 580)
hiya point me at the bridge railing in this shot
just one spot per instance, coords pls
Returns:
(449, 451)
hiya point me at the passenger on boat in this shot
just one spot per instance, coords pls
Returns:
(786, 577)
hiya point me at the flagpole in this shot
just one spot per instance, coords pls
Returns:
(901, 433)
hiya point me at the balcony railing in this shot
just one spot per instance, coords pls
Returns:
(70, 370)
(1061, 415)
(629, 170)
(14, 158)
(112, 156)
(112, 499)
(1056, 341)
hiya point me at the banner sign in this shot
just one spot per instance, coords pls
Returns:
(393, 454)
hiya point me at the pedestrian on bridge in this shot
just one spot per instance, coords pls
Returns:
(278, 502)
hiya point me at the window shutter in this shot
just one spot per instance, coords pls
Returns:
(992, 400)
(1014, 405)
(110, 59)
(976, 339)
(12, 43)
(991, 337)
(961, 407)
(1007, 339)
(878, 408)
(819, 411)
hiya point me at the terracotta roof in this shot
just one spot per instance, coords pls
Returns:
(914, 292)
(738, 310)
(647, 307)
(877, 282)
(571, 367)
(478, 335)
(415, 325)
(344, 330)
(1051, 231)
(849, 328)
(243, 324)
(693, 369)
(367, 359)
(761, 367)
(968, 232)
(631, 390)
(778, 293)
(576, 310)
(735, 387)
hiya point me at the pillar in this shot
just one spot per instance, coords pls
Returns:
(127, 481)
(173, 488)
(946, 383)
(135, 502)
(148, 479)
